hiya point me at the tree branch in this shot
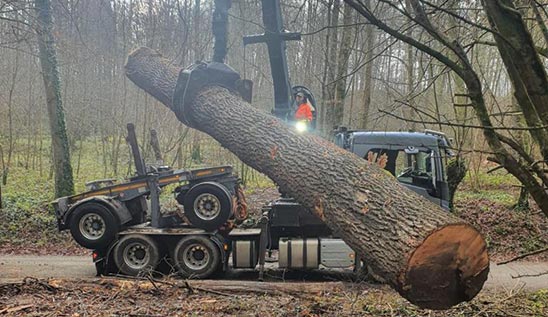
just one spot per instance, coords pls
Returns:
(521, 256)
(449, 124)
(366, 13)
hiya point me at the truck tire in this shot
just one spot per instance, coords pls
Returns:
(93, 225)
(196, 257)
(136, 254)
(207, 206)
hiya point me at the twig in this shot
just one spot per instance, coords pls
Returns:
(521, 256)
(188, 287)
(530, 275)
(15, 309)
(494, 169)
(191, 289)
(464, 125)
(513, 292)
(153, 284)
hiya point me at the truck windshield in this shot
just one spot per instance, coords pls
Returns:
(411, 168)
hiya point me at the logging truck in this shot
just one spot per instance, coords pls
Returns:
(128, 233)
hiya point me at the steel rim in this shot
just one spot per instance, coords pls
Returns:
(196, 257)
(92, 226)
(207, 206)
(136, 255)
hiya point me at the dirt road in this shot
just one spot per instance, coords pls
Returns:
(17, 267)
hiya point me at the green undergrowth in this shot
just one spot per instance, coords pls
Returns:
(27, 214)
(483, 179)
(502, 197)
(490, 206)
(25, 206)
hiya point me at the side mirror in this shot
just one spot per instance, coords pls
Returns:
(411, 150)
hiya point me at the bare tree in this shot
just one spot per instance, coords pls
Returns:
(522, 64)
(64, 185)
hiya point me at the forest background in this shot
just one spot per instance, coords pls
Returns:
(361, 76)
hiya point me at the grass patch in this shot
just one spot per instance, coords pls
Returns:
(503, 197)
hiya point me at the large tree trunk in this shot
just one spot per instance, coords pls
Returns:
(431, 257)
(342, 69)
(64, 185)
(370, 35)
(523, 65)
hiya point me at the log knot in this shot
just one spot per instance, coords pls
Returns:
(319, 208)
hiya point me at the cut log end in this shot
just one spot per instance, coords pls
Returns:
(449, 267)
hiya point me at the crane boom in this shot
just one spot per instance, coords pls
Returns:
(275, 37)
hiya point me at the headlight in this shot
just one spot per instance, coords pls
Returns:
(301, 126)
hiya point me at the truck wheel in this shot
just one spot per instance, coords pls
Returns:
(136, 253)
(196, 257)
(207, 206)
(93, 226)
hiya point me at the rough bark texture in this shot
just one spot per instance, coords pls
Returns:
(456, 170)
(523, 64)
(64, 185)
(342, 69)
(431, 257)
(155, 144)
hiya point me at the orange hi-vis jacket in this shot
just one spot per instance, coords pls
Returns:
(304, 112)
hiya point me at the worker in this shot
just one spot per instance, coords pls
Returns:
(304, 110)
(303, 115)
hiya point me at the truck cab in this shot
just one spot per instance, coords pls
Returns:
(416, 159)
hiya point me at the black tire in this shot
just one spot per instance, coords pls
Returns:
(93, 225)
(196, 257)
(136, 254)
(207, 206)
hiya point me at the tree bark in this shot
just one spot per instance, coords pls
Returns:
(155, 144)
(330, 58)
(368, 73)
(523, 65)
(429, 256)
(342, 69)
(64, 185)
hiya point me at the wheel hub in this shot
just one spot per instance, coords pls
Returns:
(92, 226)
(207, 206)
(196, 257)
(136, 255)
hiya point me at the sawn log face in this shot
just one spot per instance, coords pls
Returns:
(431, 257)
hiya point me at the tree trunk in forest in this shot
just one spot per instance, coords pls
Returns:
(523, 65)
(368, 73)
(431, 257)
(525, 140)
(409, 111)
(155, 144)
(64, 185)
(456, 171)
(2, 172)
(342, 69)
(328, 88)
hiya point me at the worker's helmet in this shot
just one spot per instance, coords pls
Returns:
(302, 95)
